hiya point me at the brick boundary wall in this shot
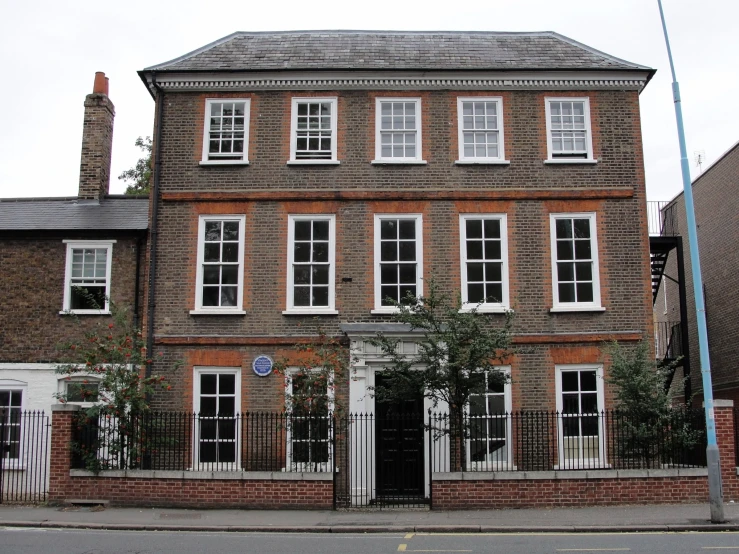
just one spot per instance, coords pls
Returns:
(450, 491)
(459, 495)
(242, 492)
(503, 491)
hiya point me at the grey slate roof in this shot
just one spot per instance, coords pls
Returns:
(394, 50)
(52, 214)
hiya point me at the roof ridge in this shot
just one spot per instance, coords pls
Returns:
(72, 198)
(238, 34)
(456, 50)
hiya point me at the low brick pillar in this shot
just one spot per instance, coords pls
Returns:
(726, 439)
(61, 452)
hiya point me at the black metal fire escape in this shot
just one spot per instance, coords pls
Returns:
(671, 338)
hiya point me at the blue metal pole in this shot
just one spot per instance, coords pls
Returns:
(715, 494)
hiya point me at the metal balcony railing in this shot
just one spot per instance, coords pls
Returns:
(668, 340)
(661, 219)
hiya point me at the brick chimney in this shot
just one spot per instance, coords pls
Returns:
(97, 141)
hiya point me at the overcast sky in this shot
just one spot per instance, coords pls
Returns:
(50, 50)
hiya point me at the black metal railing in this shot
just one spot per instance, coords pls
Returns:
(668, 340)
(24, 456)
(661, 219)
(179, 441)
(544, 441)
(389, 460)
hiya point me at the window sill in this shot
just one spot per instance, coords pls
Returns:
(384, 311)
(224, 162)
(217, 312)
(570, 161)
(483, 309)
(398, 162)
(310, 312)
(313, 162)
(84, 312)
(483, 161)
(565, 309)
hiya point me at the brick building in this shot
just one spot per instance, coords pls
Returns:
(718, 227)
(303, 177)
(49, 249)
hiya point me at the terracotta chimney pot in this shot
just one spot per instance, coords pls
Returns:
(101, 84)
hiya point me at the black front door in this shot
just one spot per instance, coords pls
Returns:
(400, 455)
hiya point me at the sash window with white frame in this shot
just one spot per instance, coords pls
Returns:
(480, 129)
(226, 134)
(217, 399)
(484, 262)
(580, 405)
(87, 282)
(488, 413)
(398, 130)
(309, 428)
(11, 408)
(575, 275)
(398, 259)
(569, 137)
(311, 245)
(220, 263)
(313, 134)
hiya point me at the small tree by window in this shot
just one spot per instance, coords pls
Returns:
(643, 403)
(311, 404)
(115, 355)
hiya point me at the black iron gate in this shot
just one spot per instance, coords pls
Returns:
(380, 460)
(24, 456)
(381, 457)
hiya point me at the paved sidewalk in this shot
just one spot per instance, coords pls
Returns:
(684, 517)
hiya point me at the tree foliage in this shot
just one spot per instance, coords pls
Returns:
(107, 364)
(640, 383)
(454, 350)
(138, 177)
(314, 372)
(651, 429)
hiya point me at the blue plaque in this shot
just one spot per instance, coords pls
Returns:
(262, 365)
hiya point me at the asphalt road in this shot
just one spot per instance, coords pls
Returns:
(59, 541)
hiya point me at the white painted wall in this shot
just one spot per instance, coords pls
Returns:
(27, 479)
(38, 380)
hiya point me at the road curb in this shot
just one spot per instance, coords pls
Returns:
(343, 529)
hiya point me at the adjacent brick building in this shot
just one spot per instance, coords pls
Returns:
(714, 194)
(303, 177)
(52, 247)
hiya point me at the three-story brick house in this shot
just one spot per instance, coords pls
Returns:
(302, 178)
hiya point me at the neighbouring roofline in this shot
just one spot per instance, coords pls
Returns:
(73, 198)
(114, 213)
(704, 173)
